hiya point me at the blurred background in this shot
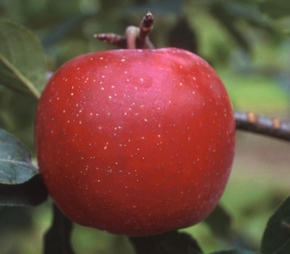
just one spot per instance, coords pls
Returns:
(246, 41)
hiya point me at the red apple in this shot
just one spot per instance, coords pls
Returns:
(135, 142)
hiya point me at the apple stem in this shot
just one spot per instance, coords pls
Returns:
(272, 127)
(145, 28)
(134, 38)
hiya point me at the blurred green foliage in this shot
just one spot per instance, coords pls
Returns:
(247, 41)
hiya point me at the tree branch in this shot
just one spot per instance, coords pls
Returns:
(272, 127)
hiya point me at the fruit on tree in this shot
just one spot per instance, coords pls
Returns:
(135, 142)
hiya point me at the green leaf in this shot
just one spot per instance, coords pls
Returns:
(219, 222)
(22, 60)
(235, 252)
(17, 114)
(167, 243)
(276, 238)
(30, 193)
(57, 239)
(15, 164)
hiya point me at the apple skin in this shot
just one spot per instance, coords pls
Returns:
(135, 142)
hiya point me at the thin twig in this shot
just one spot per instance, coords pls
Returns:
(272, 127)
